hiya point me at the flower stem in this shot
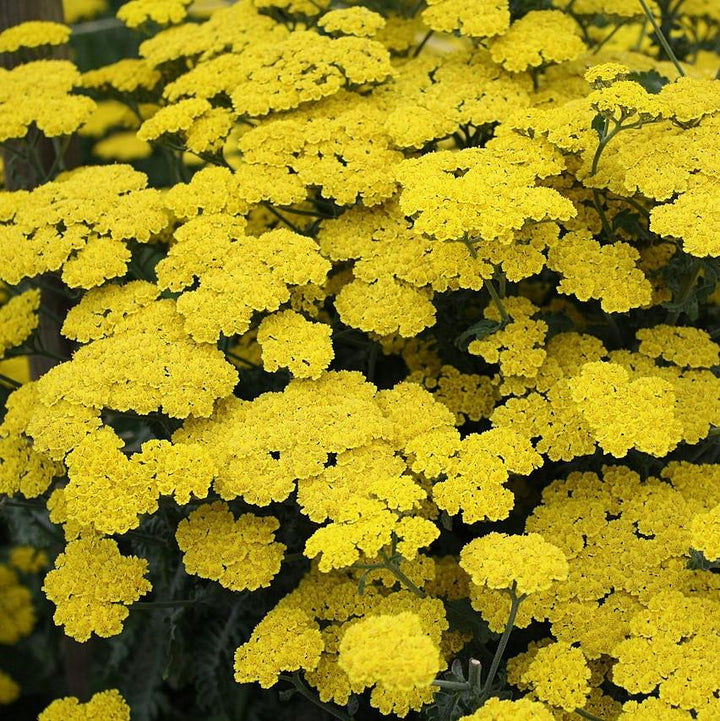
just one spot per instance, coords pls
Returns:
(390, 566)
(662, 39)
(587, 715)
(303, 690)
(497, 300)
(502, 645)
(12, 383)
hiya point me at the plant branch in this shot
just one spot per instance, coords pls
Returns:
(661, 38)
(502, 645)
(304, 691)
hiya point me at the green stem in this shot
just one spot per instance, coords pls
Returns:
(416, 8)
(608, 38)
(587, 715)
(15, 503)
(453, 685)
(390, 566)
(241, 360)
(605, 138)
(303, 690)
(497, 300)
(47, 354)
(281, 217)
(502, 645)
(631, 201)
(422, 44)
(603, 217)
(661, 37)
(9, 381)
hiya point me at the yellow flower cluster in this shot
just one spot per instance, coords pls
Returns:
(492, 18)
(290, 341)
(412, 257)
(103, 706)
(18, 617)
(33, 34)
(239, 554)
(352, 21)
(503, 710)
(9, 690)
(391, 651)
(706, 533)
(342, 658)
(240, 274)
(558, 674)
(18, 319)
(51, 106)
(163, 12)
(81, 223)
(526, 564)
(92, 585)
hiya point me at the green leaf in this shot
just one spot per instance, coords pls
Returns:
(651, 80)
(477, 331)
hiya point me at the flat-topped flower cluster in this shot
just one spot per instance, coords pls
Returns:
(386, 328)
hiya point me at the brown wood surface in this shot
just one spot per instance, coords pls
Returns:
(77, 657)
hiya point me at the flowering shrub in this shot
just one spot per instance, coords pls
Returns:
(365, 352)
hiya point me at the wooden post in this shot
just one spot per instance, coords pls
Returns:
(77, 657)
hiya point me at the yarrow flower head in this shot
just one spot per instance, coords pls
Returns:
(33, 34)
(526, 563)
(92, 585)
(240, 554)
(103, 706)
(358, 21)
(523, 709)
(391, 651)
(163, 12)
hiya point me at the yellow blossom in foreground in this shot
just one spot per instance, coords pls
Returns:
(528, 562)
(40, 92)
(91, 586)
(606, 272)
(559, 675)
(626, 413)
(238, 553)
(290, 341)
(286, 639)
(391, 651)
(521, 710)
(606, 73)
(33, 34)
(103, 706)
(385, 306)
(693, 218)
(654, 709)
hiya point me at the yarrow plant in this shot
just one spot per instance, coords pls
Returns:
(360, 360)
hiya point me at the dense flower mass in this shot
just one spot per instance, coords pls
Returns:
(340, 340)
